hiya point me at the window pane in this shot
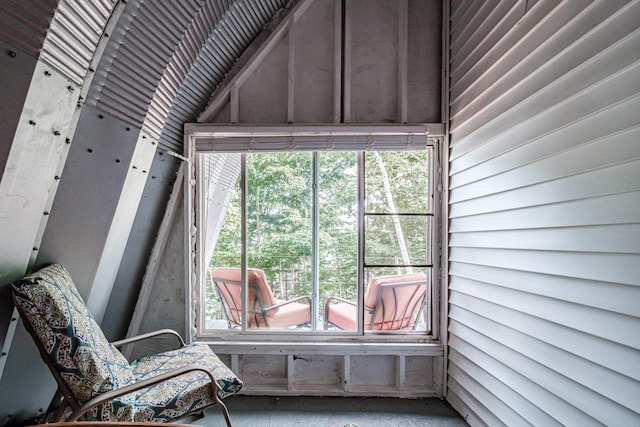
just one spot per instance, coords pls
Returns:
(279, 231)
(397, 300)
(280, 237)
(397, 181)
(396, 239)
(228, 245)
(338, 240)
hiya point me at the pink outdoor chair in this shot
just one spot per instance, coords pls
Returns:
(263, 309)
(390, 303)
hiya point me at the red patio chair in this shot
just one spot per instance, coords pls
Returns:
(390, 303)
(263, 309)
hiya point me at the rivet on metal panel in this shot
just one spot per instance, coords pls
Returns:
(12, 53)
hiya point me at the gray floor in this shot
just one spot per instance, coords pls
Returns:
(332, 412)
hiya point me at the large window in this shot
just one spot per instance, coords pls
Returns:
(316, 243)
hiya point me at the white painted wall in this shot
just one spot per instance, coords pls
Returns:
(545, 212)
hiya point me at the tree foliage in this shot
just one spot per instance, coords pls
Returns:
(279, 218)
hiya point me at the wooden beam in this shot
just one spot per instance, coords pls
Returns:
(253, 57)
(234, 104)
(206, 130)
(290, 372)
(157, 252)
(403, 47)
(337, 62)
(401, 368)
(346, 80)
(346, 372)
(291, 72)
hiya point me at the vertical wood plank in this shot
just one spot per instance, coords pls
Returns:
(290, 372)
(403, 47)
(346, 82)
(235, 363)
(401, 370)
(346, 373)
(234, 103)
(291, 71)
(337, 62)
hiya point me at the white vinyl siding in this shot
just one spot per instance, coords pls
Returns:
(544, 209)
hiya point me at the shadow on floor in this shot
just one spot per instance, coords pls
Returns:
(332, 412)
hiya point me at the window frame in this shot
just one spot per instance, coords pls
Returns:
(201, 138)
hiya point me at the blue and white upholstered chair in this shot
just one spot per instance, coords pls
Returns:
(95, 380)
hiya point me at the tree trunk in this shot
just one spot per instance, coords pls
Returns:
(392, 207)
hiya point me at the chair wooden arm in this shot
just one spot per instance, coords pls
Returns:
(141, 337)
(110, 395)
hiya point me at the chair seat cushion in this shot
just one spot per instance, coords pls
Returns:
(175, 397)
(344, 316)
(291, 314)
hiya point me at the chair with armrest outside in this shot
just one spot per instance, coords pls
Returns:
(95, 381)
(264, 310)
(390, 303)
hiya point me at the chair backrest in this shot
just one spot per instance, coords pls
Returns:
(394, 302)
(68, 337)
(228, 281)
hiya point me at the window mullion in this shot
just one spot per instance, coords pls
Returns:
(244, 294)
(315, 242)
(361, 241)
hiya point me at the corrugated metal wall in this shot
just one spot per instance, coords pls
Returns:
(236, 26)
(142, 45)
(24, 24)
(73, 36)
(545, 212)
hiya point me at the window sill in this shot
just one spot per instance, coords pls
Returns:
(434, 349)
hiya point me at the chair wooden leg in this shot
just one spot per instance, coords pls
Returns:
(225, 412)
(215, 387)
(57, 409)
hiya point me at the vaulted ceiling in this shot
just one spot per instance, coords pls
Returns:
(97, 85)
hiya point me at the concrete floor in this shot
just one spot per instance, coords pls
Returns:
(332, 412)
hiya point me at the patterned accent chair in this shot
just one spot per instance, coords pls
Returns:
(95, 380)
(390, 303)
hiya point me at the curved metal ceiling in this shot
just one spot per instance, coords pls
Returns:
(153, 65)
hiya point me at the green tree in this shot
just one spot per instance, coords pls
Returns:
(279, 218)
